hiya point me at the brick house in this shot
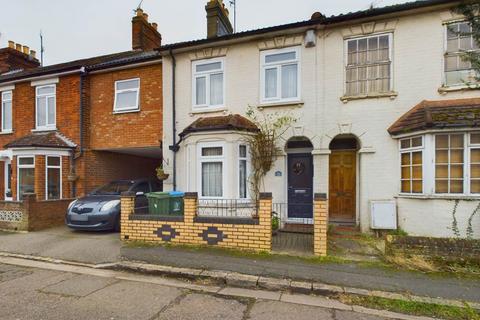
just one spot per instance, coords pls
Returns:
(70, 127)
(355, 83)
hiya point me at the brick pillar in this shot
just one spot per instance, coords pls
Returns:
(2, 180)
(190, 207)
(265, 216)
(40, 178)
(28, 204)
(127, 208)
(14, 179)
(320, 218)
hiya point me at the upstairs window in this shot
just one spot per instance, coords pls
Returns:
(411, 154)
(127, 93)
(208, 83)
(459, 40)
(7, 111)
(280, 78)
(46, 107)
(369, 65)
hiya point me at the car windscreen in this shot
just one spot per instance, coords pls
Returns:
(114, 188)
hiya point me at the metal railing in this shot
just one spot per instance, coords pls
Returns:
(293, 217)
(227, 208)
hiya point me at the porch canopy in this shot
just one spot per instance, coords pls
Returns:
(438, 115)
(233, 122)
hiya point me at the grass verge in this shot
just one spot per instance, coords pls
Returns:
(413, 308)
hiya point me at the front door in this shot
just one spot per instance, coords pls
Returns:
(8, 180)
(300, 185)
(342, 186)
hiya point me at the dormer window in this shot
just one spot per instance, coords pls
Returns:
(46, 107)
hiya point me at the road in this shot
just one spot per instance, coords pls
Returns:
(41, 293)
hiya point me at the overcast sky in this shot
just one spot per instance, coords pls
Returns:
(76, 29)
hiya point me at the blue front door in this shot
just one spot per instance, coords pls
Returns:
(300, 185)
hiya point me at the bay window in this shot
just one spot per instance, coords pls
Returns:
(54, 178)
(441, 164)
(7, 111)
(459, 40)
(211, 171)
(127, 93)
(369, 65)
(280, 78)
(26, 176)
(208, 83)
(411, 153)
(46, 107)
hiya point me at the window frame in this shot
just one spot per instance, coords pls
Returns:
(445, 53)
(211, 159)
(47, 125)
(46, 176)
(278, 65)
(116, 109)
(466, 164)
(23, 166)
(207, 74)
(390, 57)
(247, 170)
(412, 150)
(471, 146)
(4, 101)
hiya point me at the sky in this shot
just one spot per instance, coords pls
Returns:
(75, 29)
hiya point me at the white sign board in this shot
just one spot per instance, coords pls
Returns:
(383, 214)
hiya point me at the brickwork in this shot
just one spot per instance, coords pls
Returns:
(31, 214)
(256, 236)
(320, 217)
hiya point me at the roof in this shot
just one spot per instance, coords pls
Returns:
(51, 139)
(443, 114)
(233, 122)
(321, 20)
(90, 64)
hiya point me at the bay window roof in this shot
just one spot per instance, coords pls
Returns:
(42, 139)
(442, 114)
(233, 122)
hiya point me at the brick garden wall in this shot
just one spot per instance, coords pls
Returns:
(437, 248)
(13, 216)
(251, 234)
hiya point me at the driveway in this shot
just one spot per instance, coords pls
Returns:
(65, 244)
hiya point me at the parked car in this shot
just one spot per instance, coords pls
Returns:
(100, 209)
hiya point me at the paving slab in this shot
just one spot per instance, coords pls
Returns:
(79, 286)
(349, 315)
(250, 293)
(314, 301)
(273, 310)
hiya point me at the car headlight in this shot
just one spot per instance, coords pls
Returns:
(109, 205)
(71, 204)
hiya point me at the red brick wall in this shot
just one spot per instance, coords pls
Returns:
(11, 59)
(40, 177)
(47, 214)
(135, 129)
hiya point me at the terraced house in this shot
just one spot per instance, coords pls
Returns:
(385, 123)
(71, 127)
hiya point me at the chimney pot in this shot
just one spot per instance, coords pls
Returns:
(139, 12)
(11, 44)
(145, 16)
(317, 15)
(155, 25)
(18, 47)
(26, 50)
(33, 53)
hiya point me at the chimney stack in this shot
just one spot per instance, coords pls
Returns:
(218, 23)
(145, 35)
(17, 57)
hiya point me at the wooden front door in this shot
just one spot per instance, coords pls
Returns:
(342, 186)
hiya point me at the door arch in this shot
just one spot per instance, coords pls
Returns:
(343, 179)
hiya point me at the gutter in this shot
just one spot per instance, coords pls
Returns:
(174, 147)
(44, 76)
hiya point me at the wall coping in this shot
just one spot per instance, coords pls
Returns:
(265, 196)
(128, 194)
(191, 195)
(226, 220)
(320, 196)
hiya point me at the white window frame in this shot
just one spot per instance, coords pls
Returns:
(23, 166)
(4, 101)
(390, 57)
(471, 146)
(48, 126)
(412, 150)
(247, 170)
(445, 50)
(46, 176)
(207, 75)
(116, 109)
(208, 159)
(278, 65)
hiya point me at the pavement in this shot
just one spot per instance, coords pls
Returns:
(353, 274)
(37, 290)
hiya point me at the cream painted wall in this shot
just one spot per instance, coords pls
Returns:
(418, 42)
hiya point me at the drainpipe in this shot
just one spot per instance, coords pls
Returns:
(83, 75)
(174, 147)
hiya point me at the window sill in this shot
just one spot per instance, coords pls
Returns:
(296, 103)
(208, 110)
(6, 132)
(45, 129)
(125, 111)
(392, 95)
(445, 89)
(437, 197)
